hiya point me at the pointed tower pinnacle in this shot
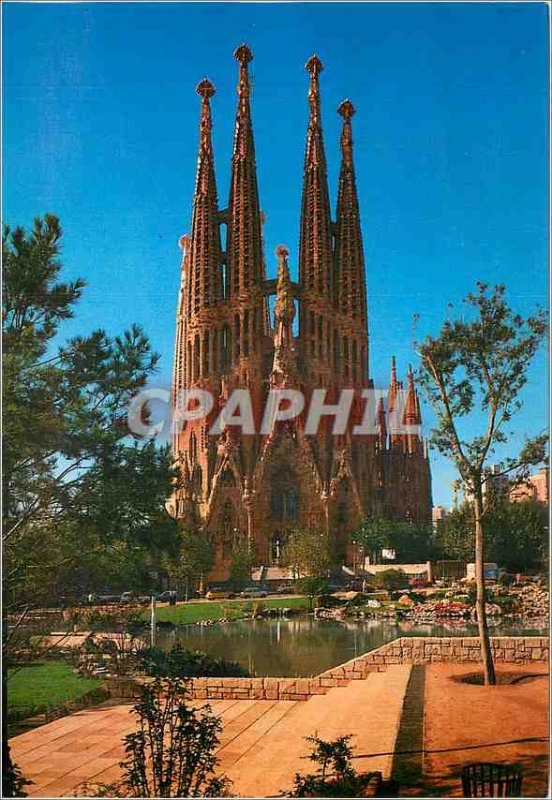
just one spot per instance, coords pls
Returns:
(382, 425)
(350, 280)
(244, 246)
(393, 386)
(284, 314)
(411, 414)
(315, 244)
(418, 410)
(410, 410)
(204, 284)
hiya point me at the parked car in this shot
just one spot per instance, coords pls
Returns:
(216, 593)
(102, 599)
(253, 591)
(165, 597)
(284, 589)
(134, 598)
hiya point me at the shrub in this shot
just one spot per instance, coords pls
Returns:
(172, 753)
(334, 776)
(259, 608)
(329, 601)
(181, 663)
(392, 580)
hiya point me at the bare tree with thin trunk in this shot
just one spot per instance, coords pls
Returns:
(472, 373)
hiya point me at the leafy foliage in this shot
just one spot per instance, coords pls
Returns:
(454, 535)
(241, 563)
(172, 753)
(311, 587)
(479, 363)
(410, 541)
(181, 663)
(477, 366)
(334, 776)
(194, 557)
(516, 535)
(83, 504)
(308, 553)
(13, 782)
(392, 579)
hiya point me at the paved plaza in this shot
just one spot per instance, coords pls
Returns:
(393, 715)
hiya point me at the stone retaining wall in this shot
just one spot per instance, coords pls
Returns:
(406, 650)
(240, 688)
(460, 650)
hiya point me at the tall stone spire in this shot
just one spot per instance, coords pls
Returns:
(204, 265)
(244, 242)
(315, 245)
(350, 280)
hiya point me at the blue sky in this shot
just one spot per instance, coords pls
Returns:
(451, 136)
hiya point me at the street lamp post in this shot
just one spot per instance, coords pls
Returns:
(152, 622)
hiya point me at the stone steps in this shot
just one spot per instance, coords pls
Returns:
(370, 709)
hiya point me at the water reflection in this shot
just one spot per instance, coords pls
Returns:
(303, 646)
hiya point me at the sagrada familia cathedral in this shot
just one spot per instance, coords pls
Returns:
(256, 487)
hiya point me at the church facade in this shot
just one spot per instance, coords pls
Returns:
(259, 487)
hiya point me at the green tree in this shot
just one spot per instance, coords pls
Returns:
(311, 587)
(375, 534)
(79, 493)
(516, 535)
(454, 535)
(307, 553)
(194, 558)
(412, 542)
(472, 373)
(241, 563)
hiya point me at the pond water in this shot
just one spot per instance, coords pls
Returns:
(303, 646)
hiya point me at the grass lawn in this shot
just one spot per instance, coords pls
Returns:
(41, 687)
(185, 613)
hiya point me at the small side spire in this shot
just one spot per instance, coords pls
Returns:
(284, 314)
(315, 243)
(350, 279)
(412, 415)
(410, 409)
(205, 273)
(393, 386)
(418, 409)
(244, 247)
(382, 425)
